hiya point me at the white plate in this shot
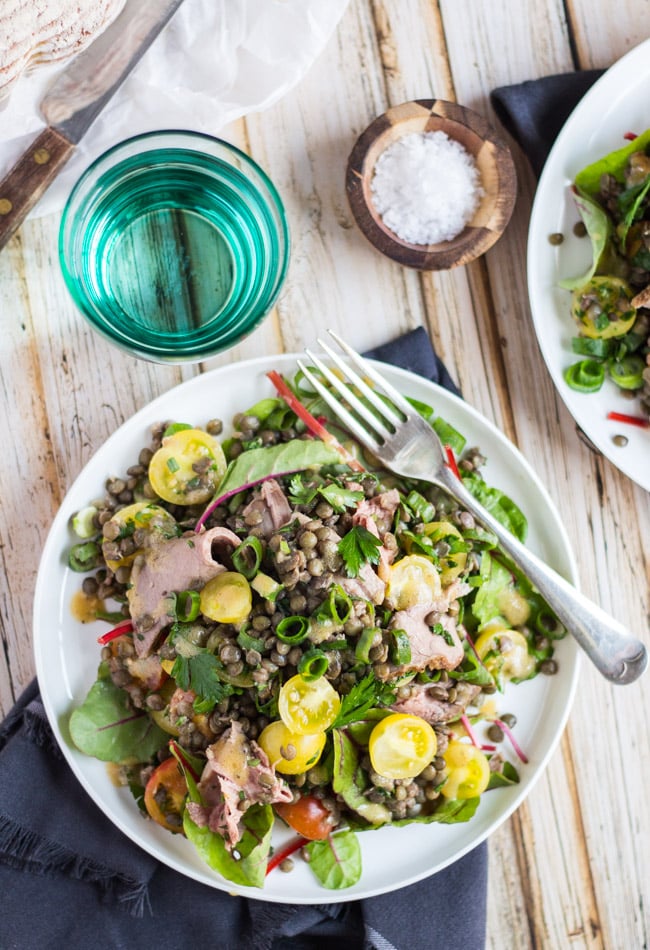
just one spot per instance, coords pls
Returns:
(617, 103)
(67, 654)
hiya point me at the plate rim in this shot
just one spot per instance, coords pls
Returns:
(548, 190)
(52, 547)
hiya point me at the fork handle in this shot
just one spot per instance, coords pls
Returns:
(619, 655)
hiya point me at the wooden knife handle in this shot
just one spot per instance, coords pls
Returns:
(27, 181)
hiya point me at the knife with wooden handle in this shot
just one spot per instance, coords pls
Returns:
(74, 101)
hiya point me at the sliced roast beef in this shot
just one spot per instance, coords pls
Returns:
(377, 514)
(431, 702)
(429, 650)
(167, 567)
(237, 775)
(272, 506)
(366, 585)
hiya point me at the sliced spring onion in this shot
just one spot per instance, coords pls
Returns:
(400, 652)
(628, 372)
(292, 629)
(247, 557)
(248, 642)
(547, 623)
(597, 348)
(337, 606)
(365, 643)
(313, 664)
(187, 605)
(84, 557)
(421, 506)
(586, 376)
(335, 644)
(83, 523)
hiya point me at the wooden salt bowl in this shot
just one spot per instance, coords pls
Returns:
(479, 138)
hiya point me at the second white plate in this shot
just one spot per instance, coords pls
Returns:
(619, 102)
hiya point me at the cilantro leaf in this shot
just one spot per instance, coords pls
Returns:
(359, 546)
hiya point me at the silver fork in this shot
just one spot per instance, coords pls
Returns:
(407, 445)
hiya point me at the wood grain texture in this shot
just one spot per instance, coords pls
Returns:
(571, 868)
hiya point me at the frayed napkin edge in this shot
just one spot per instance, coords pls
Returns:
(23, 850)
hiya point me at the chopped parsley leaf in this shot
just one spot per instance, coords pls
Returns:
(199, 673)
(358, 547)
(369, 693)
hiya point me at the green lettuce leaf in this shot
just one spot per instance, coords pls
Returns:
(504, 777)
(450, 811)
(256, 464)
(498, 504)
(105, 727)
(588, 179)
(599, 229)
(336, 862)
(497, 581)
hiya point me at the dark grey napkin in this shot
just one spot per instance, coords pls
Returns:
(534, 111)
(69, 878)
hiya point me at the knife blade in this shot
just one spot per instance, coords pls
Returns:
(74, 101)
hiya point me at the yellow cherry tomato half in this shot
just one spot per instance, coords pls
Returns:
(467, 771)
(289, 752)
(452, 564)
(141, 514)
(308, 706)
(602, 308)
(187, 467)
(401, 745)
(413, 580)
(227, 598)
(504, 653)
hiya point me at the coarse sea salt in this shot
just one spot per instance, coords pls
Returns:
(426, 187)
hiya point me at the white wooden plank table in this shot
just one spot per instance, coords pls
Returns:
(572, 867)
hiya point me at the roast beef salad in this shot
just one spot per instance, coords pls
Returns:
(299, 636)
(610, 303)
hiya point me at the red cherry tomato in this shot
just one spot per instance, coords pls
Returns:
(164, 795)
(307, 816)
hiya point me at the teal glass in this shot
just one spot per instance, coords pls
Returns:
(174, 245)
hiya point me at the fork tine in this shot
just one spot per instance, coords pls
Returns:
(395, 397)
(359, 431)
(373, 420)
(386, 411)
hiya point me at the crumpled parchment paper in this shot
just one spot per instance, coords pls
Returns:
(216, 61)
